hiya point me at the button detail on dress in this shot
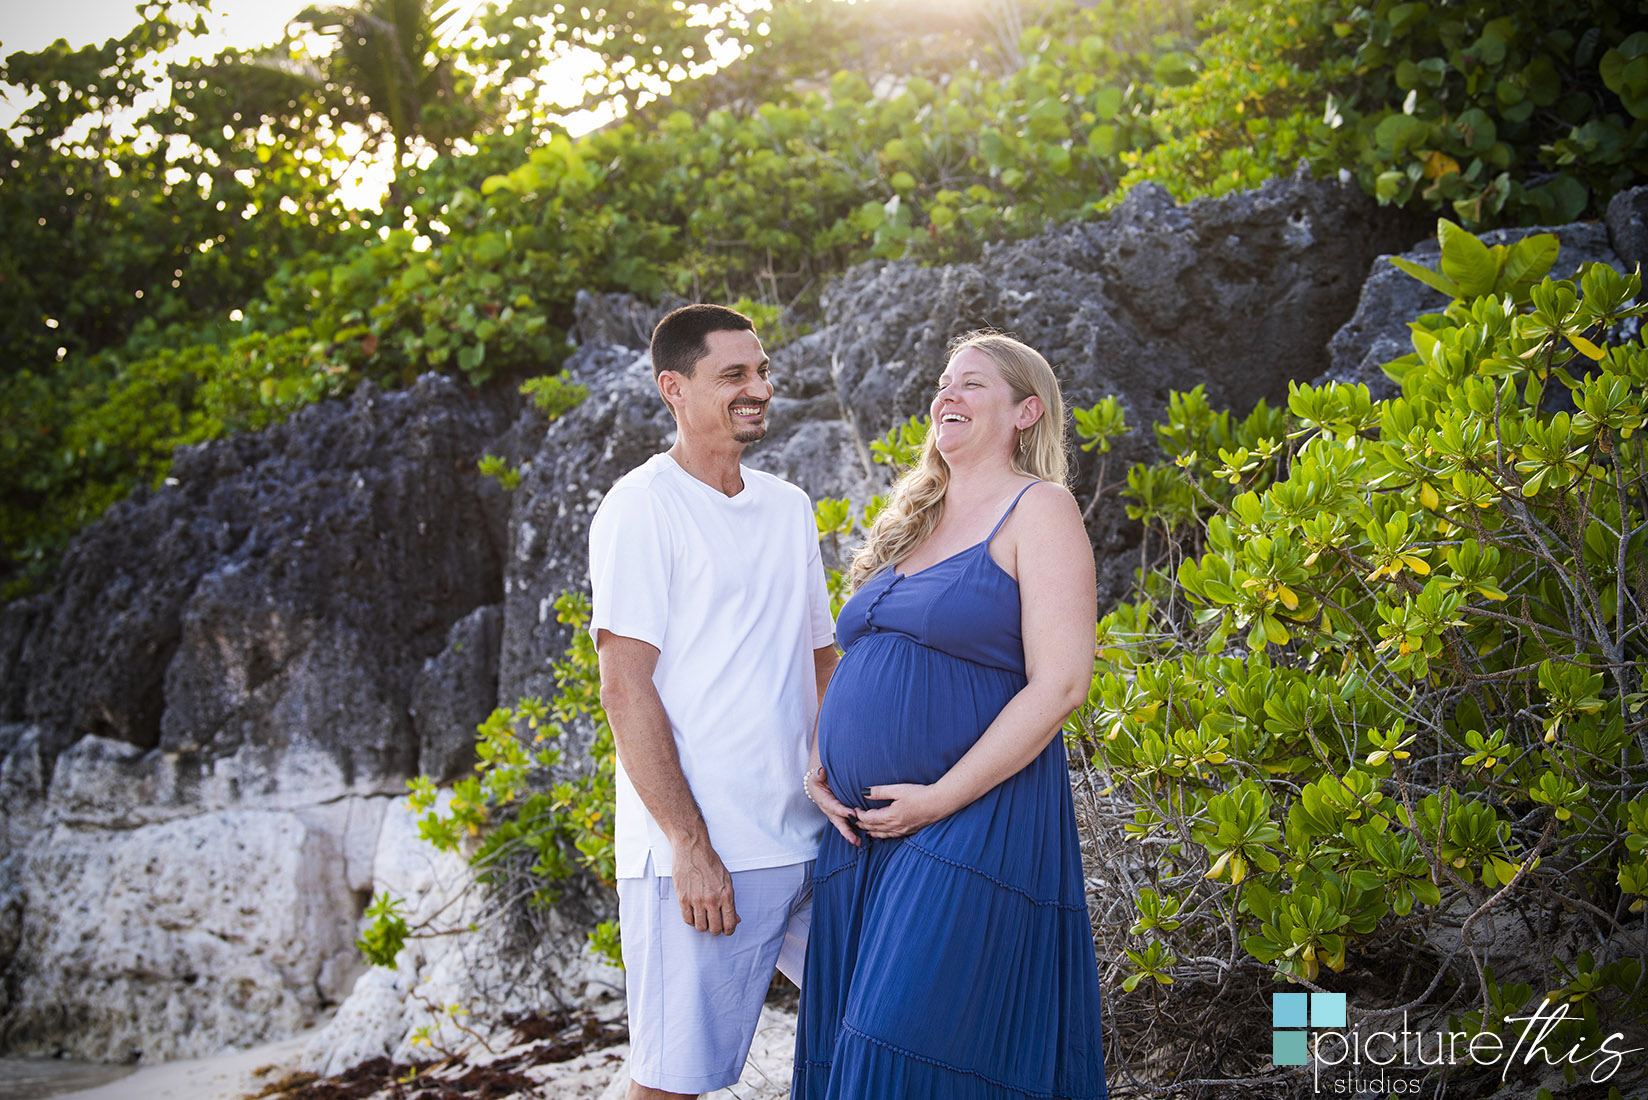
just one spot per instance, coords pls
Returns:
(869, 612)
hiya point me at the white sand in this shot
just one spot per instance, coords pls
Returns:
(222, 1077)
(593, 1075)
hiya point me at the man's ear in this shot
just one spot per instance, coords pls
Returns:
(669, 388)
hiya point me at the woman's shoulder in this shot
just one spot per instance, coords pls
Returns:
(1046, 510)
(1047, 499)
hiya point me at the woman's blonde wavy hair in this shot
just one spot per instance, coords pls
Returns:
(917, 499)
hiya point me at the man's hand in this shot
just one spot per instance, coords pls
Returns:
(703, 887)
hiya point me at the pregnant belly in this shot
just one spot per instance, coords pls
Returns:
(899, 712)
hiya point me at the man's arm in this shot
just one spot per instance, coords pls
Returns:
(641, 734)
(824, 659)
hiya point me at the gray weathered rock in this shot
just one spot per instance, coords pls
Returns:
(290, 583)
(24, 776)
(619, 426)
(1628, 225)
(1239, 294)
(1379, 333)
(454, 692)
(545, 968)
(216, 929)
(617, 320)
(194, 713)
(16, 621)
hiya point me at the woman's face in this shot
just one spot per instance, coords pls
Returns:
(975, 411)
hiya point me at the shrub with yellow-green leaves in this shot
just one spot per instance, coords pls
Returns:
(1529, 113)
(1385, 678)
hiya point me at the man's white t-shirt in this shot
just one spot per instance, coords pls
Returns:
(730, 590)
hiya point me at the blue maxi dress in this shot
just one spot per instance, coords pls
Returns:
(955, 963)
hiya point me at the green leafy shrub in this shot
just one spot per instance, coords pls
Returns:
(79, 442)
(1386, 670)
(553, 395)
(1528, 113)
(499, 470)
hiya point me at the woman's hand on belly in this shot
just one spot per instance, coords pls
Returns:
(910, 806)
(845, 819)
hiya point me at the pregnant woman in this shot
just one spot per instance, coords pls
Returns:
(951, 956)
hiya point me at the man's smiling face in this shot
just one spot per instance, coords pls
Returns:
(726, 396)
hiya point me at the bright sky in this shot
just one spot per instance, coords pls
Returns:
(32, 24)
(242, 23)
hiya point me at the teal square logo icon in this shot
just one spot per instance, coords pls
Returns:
(1287, 1010)
(1291, 1014)
(1287, 1048)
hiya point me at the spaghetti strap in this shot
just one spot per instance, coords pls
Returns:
(991, 536)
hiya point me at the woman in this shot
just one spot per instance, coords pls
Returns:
(951, 956)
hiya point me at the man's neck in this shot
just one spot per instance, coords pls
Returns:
(716, 467)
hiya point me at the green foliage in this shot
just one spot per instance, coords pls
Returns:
(1097, 426)
(474, 266)
(388, 66)
(1527, 113)
(78, 441)
(110, 235)
(381, 941)
(901, 446)
(1154, 963)
(1389, 664)
(753, 186)
(1471, 269)
(500, 471)
(836, 523)
(553, 395)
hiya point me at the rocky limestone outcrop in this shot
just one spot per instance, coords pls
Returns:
(207, 716)
(212, 930)
(204, 729)
(515, 961)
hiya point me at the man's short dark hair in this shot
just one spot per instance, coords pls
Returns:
(680, 339)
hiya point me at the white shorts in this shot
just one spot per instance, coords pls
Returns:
(694, 998)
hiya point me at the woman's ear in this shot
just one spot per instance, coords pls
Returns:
(1030, 410)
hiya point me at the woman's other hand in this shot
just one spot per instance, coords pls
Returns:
(910, 806)
(844, 818)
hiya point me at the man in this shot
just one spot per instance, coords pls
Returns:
(712, 625)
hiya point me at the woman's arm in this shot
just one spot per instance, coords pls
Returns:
(816, 783)
(1059, 604)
